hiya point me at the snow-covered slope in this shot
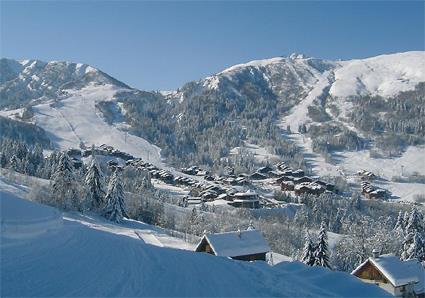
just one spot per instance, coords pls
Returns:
(384, 75)
(81, 259)
(76, 120)
(63, 96)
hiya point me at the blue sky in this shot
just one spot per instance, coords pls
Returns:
(161, 45)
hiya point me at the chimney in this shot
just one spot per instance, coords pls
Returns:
(375, 253)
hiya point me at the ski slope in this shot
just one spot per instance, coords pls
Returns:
(384, 75)
(74, 120)
(86, 257)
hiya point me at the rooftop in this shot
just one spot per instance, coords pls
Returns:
(237, 243)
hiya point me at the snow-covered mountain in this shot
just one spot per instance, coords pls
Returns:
(26, 80)
(62, 97)
(240, 105)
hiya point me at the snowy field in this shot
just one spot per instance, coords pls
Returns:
(87, 256)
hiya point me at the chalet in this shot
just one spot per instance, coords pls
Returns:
(308, 187)
(202, 173)
(275, 174)
(208, 195)
(284, 178)
(298, 173)
(257, 176)
(209, 178)
(286, 169)
(287, 173)
(229, 181)
(224, 196)
(240, 181)
(399, 278)
(303, 179)
(373, 193)
(287, 185)
(327, 186)
(265, 170)
(377, 194)
(280, 165)
(246, 245)
(247, 199)
(366, 175)
(193, 170)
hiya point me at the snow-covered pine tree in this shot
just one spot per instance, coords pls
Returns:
(14, 163)
(308, 256)
(94, 186)
(413, 237)
(321, 253)
(415, 222)
(416, 249)
(64, 186)
(399, 223)
(115, 209)
(405, 219)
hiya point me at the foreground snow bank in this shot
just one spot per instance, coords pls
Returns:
(83, 261)
(24, 219)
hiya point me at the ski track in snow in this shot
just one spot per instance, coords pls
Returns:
(74, 119)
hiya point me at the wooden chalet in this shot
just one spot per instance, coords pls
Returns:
(399, 278)
(265, 170)
(303, 179)
(275, 174)
(246, 245)
(247, 199)
(327, 186)
(257, 176)
(309, 188)
(366, 175)
(284, 178)
(298, 173)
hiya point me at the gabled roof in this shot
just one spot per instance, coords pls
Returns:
(398, 272)
(234, 244)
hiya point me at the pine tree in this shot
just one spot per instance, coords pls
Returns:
(308, 257)
(94, 185)
(405, 219)
(321, 253)
(413, 229)
(64, 185)
(399, 223)
(415, 222)
(115, 209)
(14, 163)
(416, 249)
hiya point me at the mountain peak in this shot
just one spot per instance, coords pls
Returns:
(294, 56)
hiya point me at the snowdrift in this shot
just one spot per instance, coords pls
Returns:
(82, 261)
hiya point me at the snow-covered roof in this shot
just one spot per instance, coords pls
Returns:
(248, 193)
(239, 243)
(398, 272)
